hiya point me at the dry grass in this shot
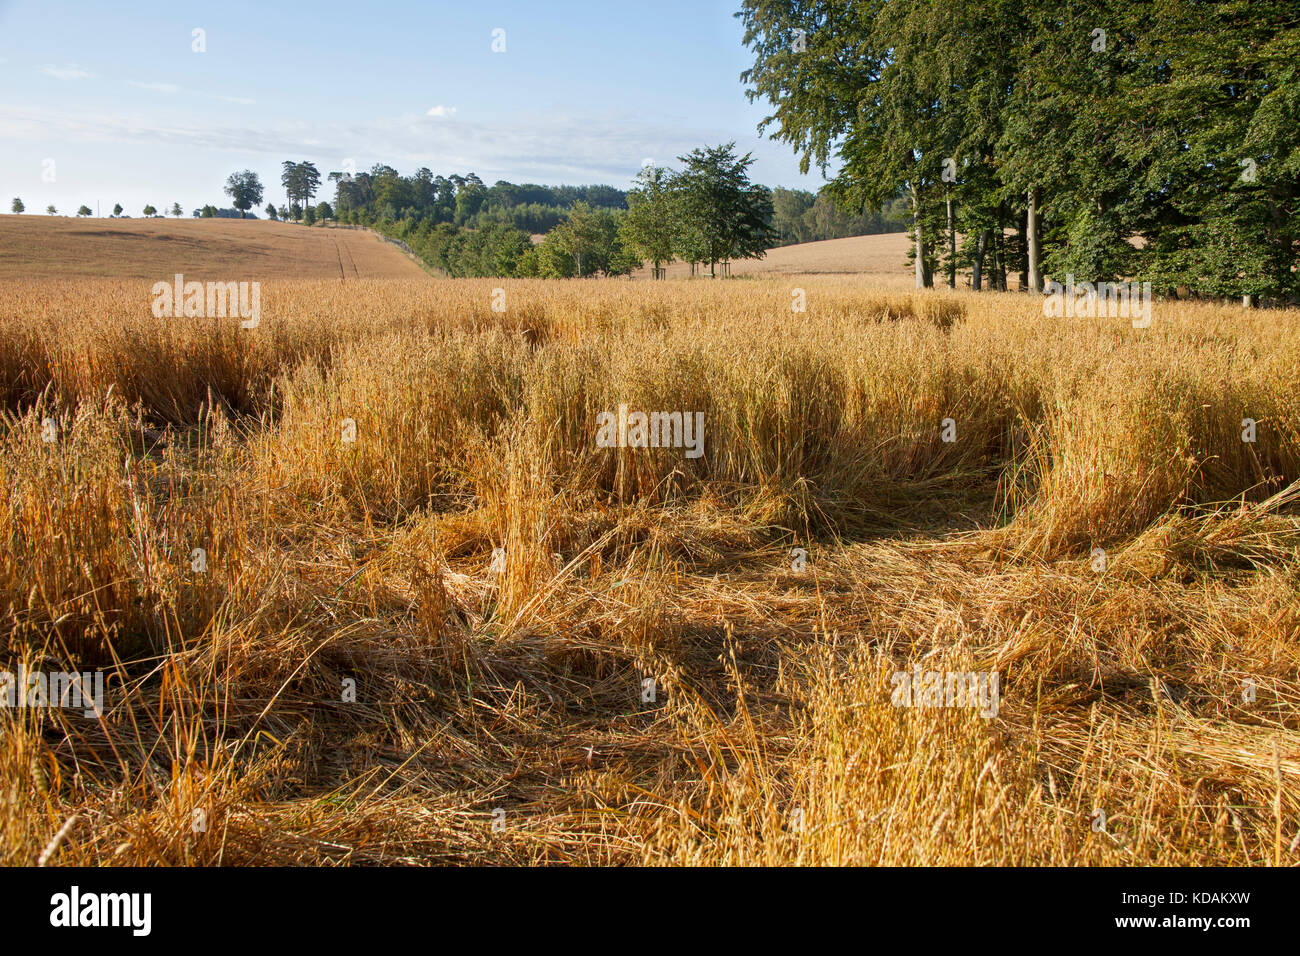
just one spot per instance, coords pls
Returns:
(60, 247)
(522, 690)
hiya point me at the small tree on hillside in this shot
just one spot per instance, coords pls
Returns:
(176, 210)
(590, 240)
(579, 236)
(717, 200)
(83, 211)
(17, 206)
(117, 209)
(270, 211)
(51, 210)
(245, 190)
(649, 227)
(300, 181)
(150, 211)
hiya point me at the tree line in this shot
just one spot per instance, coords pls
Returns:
(1125, 138)
(708, 212)
(802, 216)
(17, 207)
(384, 194)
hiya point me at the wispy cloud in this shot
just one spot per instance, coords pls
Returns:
(441, 111)
(158, 87)
(174, 88)
(69, 71)
(608, 147)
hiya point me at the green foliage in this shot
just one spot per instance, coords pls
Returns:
(590, 240)
(244, 189)
(1161, 141)
(384, 194)
(491, 251)
(17, 206)
(802, 216)
(723, 216)
(649, 228)
(553, 260)
(709, 212)
(301, 182)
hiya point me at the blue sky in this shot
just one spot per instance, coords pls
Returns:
(108, 102)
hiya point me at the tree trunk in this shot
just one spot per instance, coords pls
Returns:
(977, 267)
(921, 279)
(1000, 252)
(993, 260)
(1022, 256)
(1035, 247)
(952, 248)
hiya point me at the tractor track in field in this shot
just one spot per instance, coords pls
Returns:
(338, 251)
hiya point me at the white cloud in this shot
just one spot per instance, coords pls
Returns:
(441, 111)
(158, 87)
(69, 71)
(583, 148)
(173, 88)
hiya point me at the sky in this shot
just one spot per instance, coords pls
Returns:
(110, 101)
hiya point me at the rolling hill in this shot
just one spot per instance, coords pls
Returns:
(882, 257)
(50, 247)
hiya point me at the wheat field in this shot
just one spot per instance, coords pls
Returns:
(470, 634)
(58, 248)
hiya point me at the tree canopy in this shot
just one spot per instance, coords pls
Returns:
(1126, 138)
(244, 189)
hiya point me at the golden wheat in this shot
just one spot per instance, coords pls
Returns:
(519, 681)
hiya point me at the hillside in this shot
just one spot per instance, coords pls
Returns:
(47, 247)
(883, 257)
